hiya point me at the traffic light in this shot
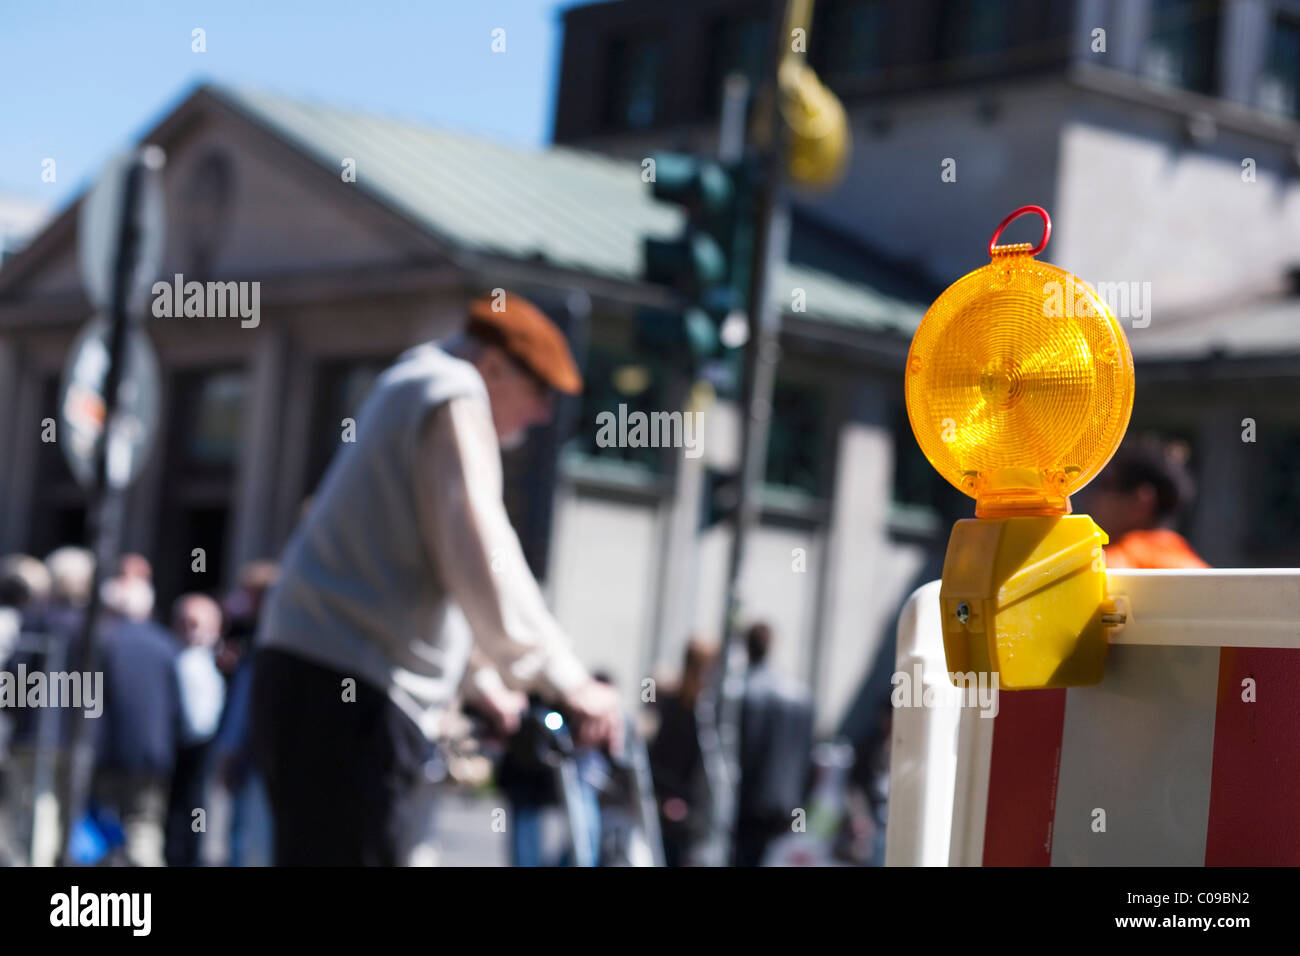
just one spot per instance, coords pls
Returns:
(707, 267)
(720, 497)
(697, 259)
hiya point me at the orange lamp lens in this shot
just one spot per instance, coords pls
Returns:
(1019, 385)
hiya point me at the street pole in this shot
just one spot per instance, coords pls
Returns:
(107, 501)
(771, 250)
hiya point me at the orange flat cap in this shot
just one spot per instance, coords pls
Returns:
(528, 336)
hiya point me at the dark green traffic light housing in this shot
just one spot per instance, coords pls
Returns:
(693, 181)
(707, 265)
(688, 264)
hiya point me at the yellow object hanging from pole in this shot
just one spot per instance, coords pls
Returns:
(819, 140)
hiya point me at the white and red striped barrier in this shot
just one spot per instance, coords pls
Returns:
(1187, 753)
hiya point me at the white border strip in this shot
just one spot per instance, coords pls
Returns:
(936, 750)
(1215, 607)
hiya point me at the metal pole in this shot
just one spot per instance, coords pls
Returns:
(106, 502)
(771, 248)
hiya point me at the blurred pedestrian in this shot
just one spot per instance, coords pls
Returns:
(132, 565)
(24, 593)
(676, 765)
(776, 735)
(541, 770)
(1137, 500)
(24, 597)
(242, 608)
(249, 837)
(356, 666)
(129, 596)
(196, 621)
(136, 736)
(72, 571)
(24, 589)
(52, 628)
(527, 782)
(251, 833)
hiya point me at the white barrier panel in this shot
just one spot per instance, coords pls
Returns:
(1187, 753)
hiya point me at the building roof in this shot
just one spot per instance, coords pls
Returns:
(20, 219)
(1267, 327)
(566, 207)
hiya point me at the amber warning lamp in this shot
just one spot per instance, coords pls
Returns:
(1019, 388)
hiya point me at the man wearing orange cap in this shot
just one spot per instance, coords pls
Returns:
(362, 643)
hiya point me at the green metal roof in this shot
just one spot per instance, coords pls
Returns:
(574, 209)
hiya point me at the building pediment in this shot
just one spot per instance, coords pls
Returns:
(243, 203)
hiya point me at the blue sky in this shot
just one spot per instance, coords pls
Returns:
(81, 80)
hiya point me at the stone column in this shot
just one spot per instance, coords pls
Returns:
(855, 553)
(259, 460)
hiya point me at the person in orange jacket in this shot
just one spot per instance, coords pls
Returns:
(1137, 499)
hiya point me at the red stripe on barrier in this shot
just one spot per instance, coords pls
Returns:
(1026, 763)
(1255, 782)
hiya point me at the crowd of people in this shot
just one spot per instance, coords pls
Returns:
(170, 731)
(175, 730)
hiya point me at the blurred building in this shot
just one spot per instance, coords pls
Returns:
(19, 221)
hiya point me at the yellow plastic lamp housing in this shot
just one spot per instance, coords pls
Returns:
(1019, 386)
(1024, 598)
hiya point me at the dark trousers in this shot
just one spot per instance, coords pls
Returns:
(189, 777)
(753, 835)
(341, 775)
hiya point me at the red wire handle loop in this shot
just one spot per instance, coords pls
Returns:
(1042, 243)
